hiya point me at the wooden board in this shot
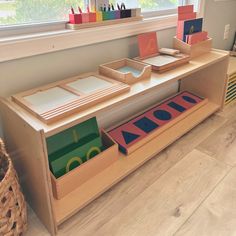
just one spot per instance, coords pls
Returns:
(93, 188)
(226, 137)
(103, 23)
(217, 214)
(55, 101)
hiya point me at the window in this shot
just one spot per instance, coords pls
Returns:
(17, 12)
(14, 12)
(151, 5)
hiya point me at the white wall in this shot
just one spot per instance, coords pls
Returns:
(217, 15)
(26, 73)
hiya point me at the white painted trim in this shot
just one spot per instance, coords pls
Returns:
(16, 47)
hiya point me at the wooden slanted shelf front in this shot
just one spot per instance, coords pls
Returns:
(75, 178)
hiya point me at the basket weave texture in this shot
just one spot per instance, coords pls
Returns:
(13, 213)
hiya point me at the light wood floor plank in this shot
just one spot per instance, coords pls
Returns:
(164, 206)
(217, 215)
(222, 143)
(35, 227)
(229, 111)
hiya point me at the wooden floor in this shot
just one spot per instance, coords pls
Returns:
(188, 189)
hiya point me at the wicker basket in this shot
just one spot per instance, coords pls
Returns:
(13, 217)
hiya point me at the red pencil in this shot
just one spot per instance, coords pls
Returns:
(88, 10)
(72, 10)
(80, 10)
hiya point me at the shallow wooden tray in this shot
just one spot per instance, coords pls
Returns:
(58, 100)
(162, 63)
(126, 70)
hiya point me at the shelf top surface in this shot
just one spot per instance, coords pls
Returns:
(156, 81)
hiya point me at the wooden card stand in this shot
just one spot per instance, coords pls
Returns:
(126, 70)
(105, 22)
(75, 178)
(140, 129)
(195, 49)
(58, 100)
(162, 63)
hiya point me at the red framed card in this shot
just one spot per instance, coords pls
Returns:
(148, 45)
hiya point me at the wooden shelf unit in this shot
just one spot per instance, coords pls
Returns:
(26, 135)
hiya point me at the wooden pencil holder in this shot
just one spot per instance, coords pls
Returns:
(125, 13)
(92, 16)
(109, 15)
(75, 178)
(75, 18)
(99, 16)
(117, 14)
(135, 12)
(85, 17)
(114, 70)
(195, 49)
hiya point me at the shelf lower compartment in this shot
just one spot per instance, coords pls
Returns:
(79, 198)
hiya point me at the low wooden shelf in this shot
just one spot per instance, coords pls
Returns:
(26, 136)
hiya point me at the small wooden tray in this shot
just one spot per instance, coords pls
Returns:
(61, 99)
(102, 23)
(195, 49)
(126, 70)
(162, 63)
(75, 178)
(141, 128)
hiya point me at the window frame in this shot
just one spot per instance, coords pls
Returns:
(35, 39)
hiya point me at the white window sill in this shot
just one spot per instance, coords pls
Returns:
(45, 42)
